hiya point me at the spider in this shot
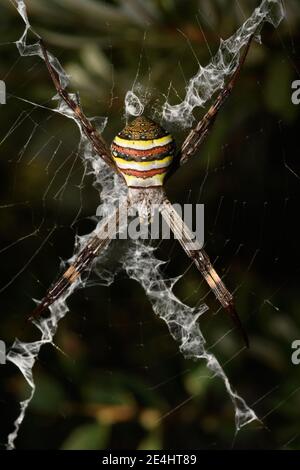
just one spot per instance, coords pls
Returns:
(144, 155)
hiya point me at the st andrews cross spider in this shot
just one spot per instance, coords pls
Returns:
(144, 154)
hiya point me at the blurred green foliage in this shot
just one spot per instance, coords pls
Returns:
(122, 382)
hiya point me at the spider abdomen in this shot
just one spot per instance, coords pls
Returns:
(143, 152)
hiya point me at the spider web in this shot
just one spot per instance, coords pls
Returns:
(138, 260)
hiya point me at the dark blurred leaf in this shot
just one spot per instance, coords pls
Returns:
(49, 396)
(278, 88)
(153, 441)
(88, 437)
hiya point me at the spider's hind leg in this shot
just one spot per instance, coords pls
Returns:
(100, 238)
(200, 258)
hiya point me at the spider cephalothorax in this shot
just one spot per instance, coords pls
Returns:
(143, 152)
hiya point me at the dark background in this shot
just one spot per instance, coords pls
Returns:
(122, 382)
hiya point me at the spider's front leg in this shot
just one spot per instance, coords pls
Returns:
(197, 135)
(100, 239)
(200, 258)
(96, 140)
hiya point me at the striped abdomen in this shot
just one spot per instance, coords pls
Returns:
(143, 151)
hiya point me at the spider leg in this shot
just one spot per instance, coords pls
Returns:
(195, 138)
(200, 258)
(99, 240)
(97, 141)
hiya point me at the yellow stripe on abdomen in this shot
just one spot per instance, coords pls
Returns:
(143, 152)
(143, 144)
(144, 165)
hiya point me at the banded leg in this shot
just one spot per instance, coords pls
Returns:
(200, 258)
(195, 138)
(99, 240)
(88, 129)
